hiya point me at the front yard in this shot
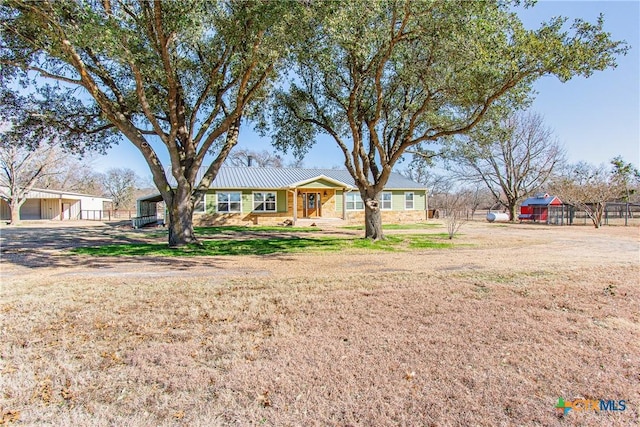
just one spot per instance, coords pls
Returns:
(489, 331)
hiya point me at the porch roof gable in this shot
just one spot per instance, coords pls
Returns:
(333, 183)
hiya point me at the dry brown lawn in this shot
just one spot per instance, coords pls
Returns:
(489, 333)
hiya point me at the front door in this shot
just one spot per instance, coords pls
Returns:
(311, 205)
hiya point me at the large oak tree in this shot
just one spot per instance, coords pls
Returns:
(170, 76)
(386, 76)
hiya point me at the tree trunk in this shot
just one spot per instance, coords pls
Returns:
(513, 211)
(14, 206)
(598, 213)
(373, 219)
(181, 219)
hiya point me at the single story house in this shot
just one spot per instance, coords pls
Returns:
(542, 208)
(269, 196)
(56, 205)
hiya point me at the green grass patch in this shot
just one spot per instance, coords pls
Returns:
(216, 247)
(415, 226)
(266, 246)
(234, 229)
(391, 244)
(438, 235)
(230, 229)
(422, 241)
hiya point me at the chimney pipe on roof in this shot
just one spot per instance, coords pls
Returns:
(249, 160)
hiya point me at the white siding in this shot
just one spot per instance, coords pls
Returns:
(50, 209)
(46, 204)
(5, 211)
(90, 203)
(30, 209)
(74, 209)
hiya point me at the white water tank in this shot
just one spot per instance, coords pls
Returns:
(497, 216)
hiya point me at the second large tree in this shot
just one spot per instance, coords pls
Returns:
(383, 77)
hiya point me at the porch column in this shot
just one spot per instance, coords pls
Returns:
(426, 202)
(295, 205)
(344, 204)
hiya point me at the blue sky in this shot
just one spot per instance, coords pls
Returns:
(595, 119)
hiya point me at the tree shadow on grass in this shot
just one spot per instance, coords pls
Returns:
(226, 247)
(243, 229)
(68, 247)
(100, 247)
(150, 265)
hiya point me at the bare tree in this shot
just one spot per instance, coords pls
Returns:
(589, 188)
(420, 170)
(438, 186)
(476, 197)
(245, 157)
(75, 175)
(21, 169)
(297, 162)
(455, 214)
(513, 157)
(120, 186)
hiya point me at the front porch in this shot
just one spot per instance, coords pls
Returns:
(316, 203)
(319, 197)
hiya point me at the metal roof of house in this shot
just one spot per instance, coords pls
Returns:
(274, 178)
(247, 177)
(545, 200)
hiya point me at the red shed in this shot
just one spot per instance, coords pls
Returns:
(537, 208)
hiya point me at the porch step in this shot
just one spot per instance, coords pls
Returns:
(321, 222)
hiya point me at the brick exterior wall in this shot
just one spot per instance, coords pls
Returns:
(331, 208)
(388, 217)
(353, 217)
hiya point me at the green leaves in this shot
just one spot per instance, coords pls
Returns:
(378, 77)
(181, 73)
(384, 76)
(51, 116)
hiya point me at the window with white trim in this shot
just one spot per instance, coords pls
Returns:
(408, 201)
(264, 202)
(354, 202)
(229, 202)
(385, 201)
(200, 206)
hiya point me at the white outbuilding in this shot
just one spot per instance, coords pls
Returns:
(57, 205)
